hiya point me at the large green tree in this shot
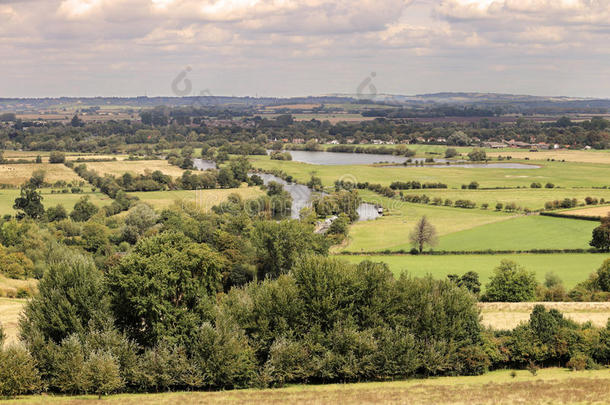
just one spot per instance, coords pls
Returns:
(511, 283)
(30, 202)
(160, 291)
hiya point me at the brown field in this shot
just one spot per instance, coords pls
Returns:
(135, 167)
(293, 106)
(10, 310)
(17, 174)
(600, 211)
(507, 315)
(549, 386)
(203, 199)
(583, 156)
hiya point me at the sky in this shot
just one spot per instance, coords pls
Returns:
(51, 48)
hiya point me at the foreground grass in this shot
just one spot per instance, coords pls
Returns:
(204, 199)
(550, 386)
(7, 199)
(571, 268)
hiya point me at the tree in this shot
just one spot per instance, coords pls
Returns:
(450, 152)
(103, 373)
(18, 373)
(162, 289)
(57, 157)
(423, 234)
(83, 210)
(30, 202)
(601, 235)
(511, 283)
(76, 122)
(602, 279)
(71, 298)
(37, 179)
(56, 213)
(470, 280)
(477, 155)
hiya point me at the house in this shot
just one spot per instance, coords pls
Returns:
(334, 142)
(298, 140)
(494, 145)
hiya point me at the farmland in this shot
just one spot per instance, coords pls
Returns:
(118, 168)
(549, 386)
(204, 199)
(571, 268)
(17, 174)
(7, 199)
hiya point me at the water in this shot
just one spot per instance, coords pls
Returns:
(303, 195)
(337, 158)
(201, 164)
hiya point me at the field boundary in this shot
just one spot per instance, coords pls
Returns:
(571, 216)
(403, 252)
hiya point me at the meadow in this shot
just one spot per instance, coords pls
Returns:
(571, 268)
(8, 196)
(549, 386)
(204, 199)
(563, 174)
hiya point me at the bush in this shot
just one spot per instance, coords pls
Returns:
(535, 185)
(57, 157)
(511, 283)
(18, 373)
(578, 362)
(102, 371)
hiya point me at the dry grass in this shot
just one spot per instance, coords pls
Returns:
(584, 156)
(600, 211)
(135, 167)
(507, 315)
(203, 199)
(550, 386)
(10, 310)
(17, 174)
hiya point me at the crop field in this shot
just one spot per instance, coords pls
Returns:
(599, 211)
(204, 199)
(563, 174)
(7, 199)
(508, 315)
(571, 268)
(17, 174)
(549, 386)
(135, 167)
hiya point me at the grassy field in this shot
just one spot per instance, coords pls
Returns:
(7, 199)
(508, 315)
(571, 268)
(522, 233)
(204, 199)
(561, 174)
(532, 198)
(392, 230)
(549, 386)
(10, 310)
(135, 167)
(17, 174)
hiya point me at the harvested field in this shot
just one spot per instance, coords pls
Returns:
(10, 310)
(17, 174)
(599, 211)
(507, 315)
(135, 167)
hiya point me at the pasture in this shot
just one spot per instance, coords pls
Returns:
(204, 199)
(549, 386)
(17, 174)
(118, 168)
(8, 196)
(571, 268)
(563, 174)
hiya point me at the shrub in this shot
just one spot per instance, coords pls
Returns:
(18, 373)
(549, 185)
(535, 185)
(57, 157)
(578, 362)
(511, 283)
(102, 371)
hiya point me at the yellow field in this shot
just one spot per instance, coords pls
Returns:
(17, 174)
(507, 315)
(10, 310)
(204, 199)
(549, 386)
(585, 156)
(135, 167)
(600, 211)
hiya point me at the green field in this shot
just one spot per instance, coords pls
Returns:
(549, 386)
(564, 174)
(205, 199)
(532, 198)
(7, 199)
(571, 268)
